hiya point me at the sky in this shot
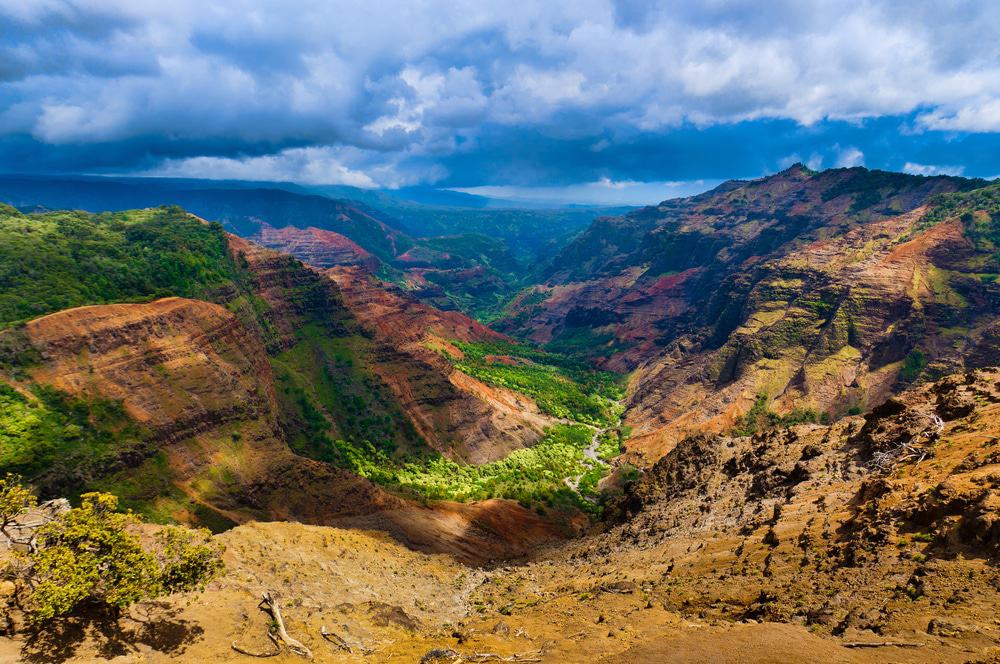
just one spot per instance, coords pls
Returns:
(589, 101)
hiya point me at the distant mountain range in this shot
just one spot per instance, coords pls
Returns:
(470, 258)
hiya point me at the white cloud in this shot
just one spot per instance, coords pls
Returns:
(976, 116)
(849, 157)
(930, 169)
(398, 79)
(314, 165)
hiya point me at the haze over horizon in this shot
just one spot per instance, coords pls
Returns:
(596, 102)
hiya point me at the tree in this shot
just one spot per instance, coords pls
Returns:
(15, 499)
(94, 555)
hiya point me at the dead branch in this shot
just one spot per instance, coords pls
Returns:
(335, 639)
(534, 656)
(267, 603)
(243, 651)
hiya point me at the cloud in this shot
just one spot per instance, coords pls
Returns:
(601, 192)
(849, 157)
(926, 169)
(396, 91)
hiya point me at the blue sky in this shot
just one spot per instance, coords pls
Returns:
(587, 101)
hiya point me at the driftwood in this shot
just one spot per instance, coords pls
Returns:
(268, 604)
(279, 634)
(492, 657)
(335, 639)
(440, 654)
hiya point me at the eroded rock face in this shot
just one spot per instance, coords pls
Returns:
(825, 291)
(178, 366)
(457, 414)
(201, 386)
(315, 246)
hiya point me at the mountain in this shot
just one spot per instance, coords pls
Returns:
(808, 464)
(456, 258)
(533, 235)
(799, 295)
(203, 378)
(869, 540)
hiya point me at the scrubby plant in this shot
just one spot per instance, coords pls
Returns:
(913, 365)
(761, 418)
(14, 500)
(95, 555)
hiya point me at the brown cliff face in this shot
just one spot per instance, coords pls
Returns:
(457, 414)
(124, 351)
(201, 385)
(397, 340)
(315, 246)
(870, 540)
(823, 292)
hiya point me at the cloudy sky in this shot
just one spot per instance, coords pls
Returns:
(589, 100)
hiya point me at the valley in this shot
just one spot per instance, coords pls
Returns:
(760, 421)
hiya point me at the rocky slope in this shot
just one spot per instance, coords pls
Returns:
(232, 407)
(454, 412)
(455, 267)
(821, 292)
(874, 539)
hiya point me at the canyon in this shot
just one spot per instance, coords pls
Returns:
(790, 435)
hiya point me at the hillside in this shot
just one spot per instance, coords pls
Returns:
(815, 433)
(241, 384)
(871, 540)
(808, 294)
(468, 260)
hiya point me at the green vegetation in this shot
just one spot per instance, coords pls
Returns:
(561, 387)
(871, 187)
(66, 437)
(761, 418)
(323, 379)
(913, 365)
(93, 555)
(534, 476)
(59, 260)
(947, 206)
(333, 406)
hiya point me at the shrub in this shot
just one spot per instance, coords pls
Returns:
(93, 555)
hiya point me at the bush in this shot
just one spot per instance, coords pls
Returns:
(760, 418)
(913, 365)
(93, 555)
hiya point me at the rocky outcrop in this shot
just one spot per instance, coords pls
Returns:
(822, 291)
(201, 387)
(178, 366)
(315, 246)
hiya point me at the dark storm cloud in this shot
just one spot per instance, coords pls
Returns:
(496, 93)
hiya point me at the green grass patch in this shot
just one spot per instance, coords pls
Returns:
(562, 387)
(58, 260)
(534, 475)
(64, 437)
(913, 365)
